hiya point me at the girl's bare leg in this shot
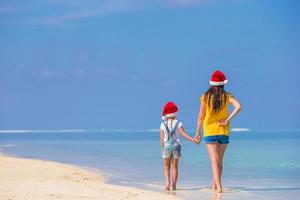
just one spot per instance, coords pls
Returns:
(167, 163)
(215, 165)
(174, 173)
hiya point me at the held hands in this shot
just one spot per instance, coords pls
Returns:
(197, 139)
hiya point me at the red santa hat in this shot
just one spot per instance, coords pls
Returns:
(170, 110)
(218, 78)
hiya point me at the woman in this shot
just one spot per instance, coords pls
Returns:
(214, 117)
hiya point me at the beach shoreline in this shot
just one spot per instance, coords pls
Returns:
(41, 166)
(23, 178)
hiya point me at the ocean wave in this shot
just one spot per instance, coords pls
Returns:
(7, 145)
(43, 131)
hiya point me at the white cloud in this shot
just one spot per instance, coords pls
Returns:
(47, 73)
(170, 82)
(103, 70)
(79, 72)
(60, 12)
(8, 9)
(83, 9)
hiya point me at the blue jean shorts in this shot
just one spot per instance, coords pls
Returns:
(221, 139)
(171, 150)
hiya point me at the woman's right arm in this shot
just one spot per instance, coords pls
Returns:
(237, 108)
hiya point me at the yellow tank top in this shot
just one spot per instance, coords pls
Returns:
(211, 124)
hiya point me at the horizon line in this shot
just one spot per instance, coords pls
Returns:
(74, 130)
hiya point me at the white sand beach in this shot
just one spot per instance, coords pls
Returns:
(28, 179)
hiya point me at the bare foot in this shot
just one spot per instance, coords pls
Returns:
(219, 190)
(167, 188)
(173, 187)
(214, 187)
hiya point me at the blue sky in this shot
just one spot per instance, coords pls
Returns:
(114, 63)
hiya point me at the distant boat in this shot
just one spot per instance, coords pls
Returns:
(240, 129)
(154, 130)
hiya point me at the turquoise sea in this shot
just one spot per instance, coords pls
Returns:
(258, 164)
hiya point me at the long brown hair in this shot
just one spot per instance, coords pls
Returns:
(216, 97)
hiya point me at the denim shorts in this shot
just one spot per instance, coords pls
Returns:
(221, 139)
(171, 150)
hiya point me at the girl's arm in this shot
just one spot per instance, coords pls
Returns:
(162, 137)
(186, 136)
(237, 109)
(200, 120)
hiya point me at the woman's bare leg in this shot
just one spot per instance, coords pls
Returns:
(213, 184)
(222, 149)
(215, 165)
(167, 163)
(174, 173)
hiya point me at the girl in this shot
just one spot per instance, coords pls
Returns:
(170, 143)
(213, 115)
